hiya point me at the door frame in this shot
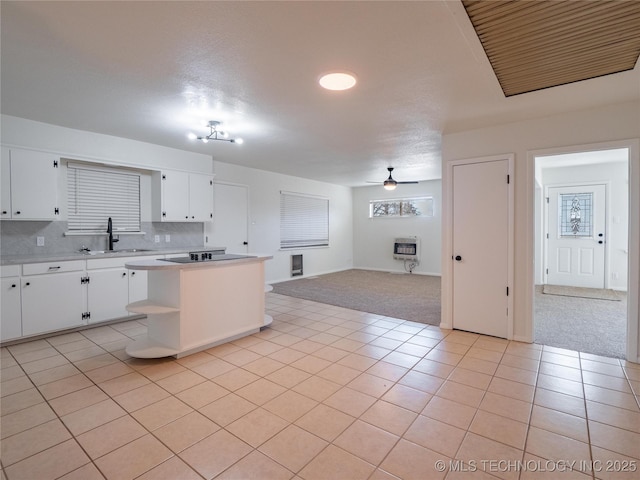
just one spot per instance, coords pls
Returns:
(446, 320)
(633, 284)
(607, 225)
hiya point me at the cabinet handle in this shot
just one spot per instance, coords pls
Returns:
(13, 285)
(187, 216)
(55, 268)
(27, 284)
(124, 274)
(133, 273)
(4, 212)
(18, 212)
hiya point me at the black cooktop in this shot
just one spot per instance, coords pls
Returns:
(209, 258)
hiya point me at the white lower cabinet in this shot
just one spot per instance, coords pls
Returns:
(10, 311)
(52, 302)
(137, 286)
(46, 297)
(107, 294)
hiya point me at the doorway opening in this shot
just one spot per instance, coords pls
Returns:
(582, 251)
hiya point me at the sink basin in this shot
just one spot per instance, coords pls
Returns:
(131, 250)
(124, 250)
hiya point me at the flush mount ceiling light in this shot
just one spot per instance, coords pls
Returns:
(337, 81)
(215, 133)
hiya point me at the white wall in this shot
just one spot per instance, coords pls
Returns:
(560, 133)
(616, 176)
(373, 237)
(82, 145)
(264, 220)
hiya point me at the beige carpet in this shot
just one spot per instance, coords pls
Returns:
(405, 296)
(595, 293)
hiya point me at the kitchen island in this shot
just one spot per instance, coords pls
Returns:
(195, 305)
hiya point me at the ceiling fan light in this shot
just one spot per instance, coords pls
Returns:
(337, 81)
(390, 184)
(192, 136)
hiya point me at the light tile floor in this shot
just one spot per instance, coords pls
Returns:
(324, 393)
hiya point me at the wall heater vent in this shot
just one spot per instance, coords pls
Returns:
(406, 248)
(296, 265)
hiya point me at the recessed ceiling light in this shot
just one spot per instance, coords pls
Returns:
(337, 81)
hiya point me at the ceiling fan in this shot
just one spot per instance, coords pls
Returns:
(390, 183)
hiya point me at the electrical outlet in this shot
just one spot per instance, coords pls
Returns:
(156, 239)
(167, 238)
(40, 241)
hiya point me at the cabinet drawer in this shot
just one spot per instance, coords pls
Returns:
(10, 271)
(52, 267)
(96, 263)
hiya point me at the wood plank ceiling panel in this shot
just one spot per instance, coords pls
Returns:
(533, 45)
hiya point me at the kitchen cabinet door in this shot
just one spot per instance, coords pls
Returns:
(5, 183)
(182, 196)
(52, 302)
(34, 185)
(107, 294)
(200, 198)
(175, 196)
(11, 324)
(137, 285)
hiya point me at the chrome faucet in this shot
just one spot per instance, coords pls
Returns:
(110, 233)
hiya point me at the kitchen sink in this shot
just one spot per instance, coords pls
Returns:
(124, 250)
(131, 250)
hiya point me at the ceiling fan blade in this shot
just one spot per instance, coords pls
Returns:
(407, 182)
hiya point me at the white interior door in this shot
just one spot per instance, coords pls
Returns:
(576, 236)
(230, 217)
(481, 247)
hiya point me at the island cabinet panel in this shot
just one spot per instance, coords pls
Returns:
(191, 307)
(230, 302)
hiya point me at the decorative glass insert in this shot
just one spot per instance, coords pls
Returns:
(401, 207)
(576, 214)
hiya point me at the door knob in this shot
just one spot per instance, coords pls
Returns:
(458, 258)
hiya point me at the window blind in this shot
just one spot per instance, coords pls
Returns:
(95, 194)
(304, 220)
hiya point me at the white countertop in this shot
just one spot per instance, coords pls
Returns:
(153, 264)
(61, 257)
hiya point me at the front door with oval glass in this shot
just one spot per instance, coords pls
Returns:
(576, 236)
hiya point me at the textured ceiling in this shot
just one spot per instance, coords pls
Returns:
(153, 71)
(542, 44)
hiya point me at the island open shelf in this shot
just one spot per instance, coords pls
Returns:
(194, 306)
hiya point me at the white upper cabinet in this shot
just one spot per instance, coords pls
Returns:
(182, 196)
(200, 197)
(29, 185)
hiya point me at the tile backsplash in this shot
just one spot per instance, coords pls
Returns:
(20, 237)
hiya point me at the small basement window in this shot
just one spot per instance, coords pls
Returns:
(304, 220)
(401, 207)
(96, 193)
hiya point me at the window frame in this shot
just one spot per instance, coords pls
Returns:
(427, 198)
(295, 230)
(119, 192)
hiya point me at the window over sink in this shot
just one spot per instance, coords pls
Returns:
(96, 193)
